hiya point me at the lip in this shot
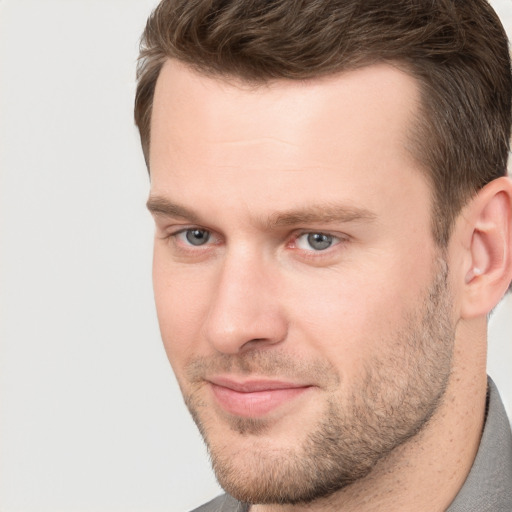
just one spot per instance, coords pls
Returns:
(256, 397)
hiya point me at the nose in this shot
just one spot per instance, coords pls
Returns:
(245, 312)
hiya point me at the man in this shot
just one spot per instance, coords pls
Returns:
(333, 226)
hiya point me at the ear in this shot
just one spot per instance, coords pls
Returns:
(488, 262)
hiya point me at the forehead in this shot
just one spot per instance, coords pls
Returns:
(349, 98)
(285, 140)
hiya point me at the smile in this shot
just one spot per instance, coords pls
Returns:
(253, 399)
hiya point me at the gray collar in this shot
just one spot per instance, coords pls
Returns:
(488, 487)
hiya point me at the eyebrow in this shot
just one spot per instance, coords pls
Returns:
(158, 205)
(320, 214)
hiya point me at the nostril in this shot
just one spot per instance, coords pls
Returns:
(258, 343)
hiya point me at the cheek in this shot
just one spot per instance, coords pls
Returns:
(336, 319)
(181, 299)
(351, 318)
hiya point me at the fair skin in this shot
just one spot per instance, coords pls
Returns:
(293, 260)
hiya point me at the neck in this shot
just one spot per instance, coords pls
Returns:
(429, 469)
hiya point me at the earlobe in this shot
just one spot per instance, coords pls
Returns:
(489, 268)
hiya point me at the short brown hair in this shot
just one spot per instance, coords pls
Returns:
(456, 49)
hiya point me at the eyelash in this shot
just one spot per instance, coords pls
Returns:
(173, 237)
(334, 241)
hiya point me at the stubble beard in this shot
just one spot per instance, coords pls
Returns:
(394, 400)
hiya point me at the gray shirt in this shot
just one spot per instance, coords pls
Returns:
(488, 487)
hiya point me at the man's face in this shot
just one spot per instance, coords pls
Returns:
(301, 298)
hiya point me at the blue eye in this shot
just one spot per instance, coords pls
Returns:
(196, 236)
(315, 241)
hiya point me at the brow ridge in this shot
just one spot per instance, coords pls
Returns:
(321, 214)
(328, 213)
(159, 205)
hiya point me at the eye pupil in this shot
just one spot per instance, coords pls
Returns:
(319, 241)
(197, 236)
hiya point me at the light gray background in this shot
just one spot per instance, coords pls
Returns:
(91, 418)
